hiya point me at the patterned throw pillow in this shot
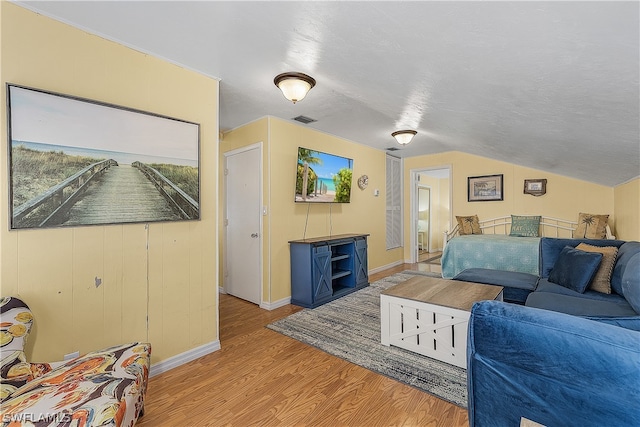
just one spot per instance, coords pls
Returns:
(591, 226)
(525, 226)
(469, 224)
(601, 282)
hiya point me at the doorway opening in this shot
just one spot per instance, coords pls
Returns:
(430, 212)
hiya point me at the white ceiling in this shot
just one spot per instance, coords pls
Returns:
(549, 85)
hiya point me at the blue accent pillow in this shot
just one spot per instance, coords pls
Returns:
(525, 226)
(574, 268)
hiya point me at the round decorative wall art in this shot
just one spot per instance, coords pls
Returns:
(363, 181)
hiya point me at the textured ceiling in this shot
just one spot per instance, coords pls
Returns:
(549, 85)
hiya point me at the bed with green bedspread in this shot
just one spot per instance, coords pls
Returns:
(491, 251)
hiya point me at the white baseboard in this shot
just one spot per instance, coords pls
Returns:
(384, 267)
(276, 304)
(182, 358)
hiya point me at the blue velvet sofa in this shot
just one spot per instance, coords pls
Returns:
(621, 307)
(551, 368)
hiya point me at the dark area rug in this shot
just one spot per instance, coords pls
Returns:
(349, 328)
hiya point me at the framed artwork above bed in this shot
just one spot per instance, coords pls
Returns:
(484, 188)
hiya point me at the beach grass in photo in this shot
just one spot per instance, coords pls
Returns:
(34, 171)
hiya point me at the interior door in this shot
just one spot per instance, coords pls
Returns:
(243, 219)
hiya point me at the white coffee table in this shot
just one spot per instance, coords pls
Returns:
(430, 315)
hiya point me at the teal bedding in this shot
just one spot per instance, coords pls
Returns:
(492, 251)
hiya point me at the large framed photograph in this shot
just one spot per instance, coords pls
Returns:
(76, 162)
(484, 188)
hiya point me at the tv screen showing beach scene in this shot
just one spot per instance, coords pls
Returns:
(75, 162)
(323, 177)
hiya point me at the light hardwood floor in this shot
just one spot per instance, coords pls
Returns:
(262, 378)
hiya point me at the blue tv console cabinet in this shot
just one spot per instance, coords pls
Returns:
(326, 268)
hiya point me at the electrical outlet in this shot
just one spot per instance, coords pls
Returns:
(72, 355)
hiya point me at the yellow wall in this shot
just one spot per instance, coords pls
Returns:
(565, 198)
(444, 213)
(286, 220)
(627, 208)
(167, 271)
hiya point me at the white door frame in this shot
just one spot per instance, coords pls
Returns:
(413, 194)
(259, 146)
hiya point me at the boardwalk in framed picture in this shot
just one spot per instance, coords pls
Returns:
(122, 194)
(78, 162)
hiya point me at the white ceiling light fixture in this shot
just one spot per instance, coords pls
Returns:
(404, 136)
(294, 86)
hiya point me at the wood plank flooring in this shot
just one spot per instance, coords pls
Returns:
(262, 378)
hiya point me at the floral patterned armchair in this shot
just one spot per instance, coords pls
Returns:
(15, 326)
(102, 388)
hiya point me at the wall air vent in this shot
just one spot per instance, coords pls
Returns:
(392, 149)
(304, 119)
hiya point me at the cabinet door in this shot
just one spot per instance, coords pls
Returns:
(321, 276)
(360, 262)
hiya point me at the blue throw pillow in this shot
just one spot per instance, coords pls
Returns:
(525, 226)
(574, 268)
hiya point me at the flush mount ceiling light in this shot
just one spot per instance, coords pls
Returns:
(404, 136)
(294, 86)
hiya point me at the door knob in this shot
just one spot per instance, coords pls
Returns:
(254, 235)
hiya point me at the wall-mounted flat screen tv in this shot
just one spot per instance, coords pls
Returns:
(322, 177)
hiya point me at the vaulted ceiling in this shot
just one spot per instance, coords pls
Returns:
(548, 85)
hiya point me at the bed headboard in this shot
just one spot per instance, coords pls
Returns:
(549, 227)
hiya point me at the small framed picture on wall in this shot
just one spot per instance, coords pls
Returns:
(535, 187)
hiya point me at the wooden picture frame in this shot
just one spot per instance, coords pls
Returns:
(76, 162)
(535, 187)
(485, 188)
